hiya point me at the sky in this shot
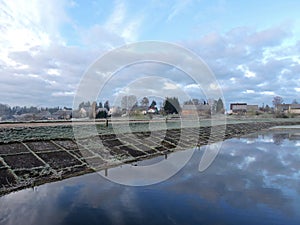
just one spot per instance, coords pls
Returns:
(251, 47)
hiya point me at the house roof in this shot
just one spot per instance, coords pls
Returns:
(196, 107)
(252, 107)
(295, 106)
(238, 103)
(101, 110)
(283, 106)
(62, 112)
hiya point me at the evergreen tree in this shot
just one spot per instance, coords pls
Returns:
(101, 114)
(106, 105)
(220, 106)
(81, 105)
(171, 105)
(153, 104)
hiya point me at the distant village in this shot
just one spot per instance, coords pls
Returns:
(130, 106)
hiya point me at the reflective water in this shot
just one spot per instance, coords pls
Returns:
(254, 180)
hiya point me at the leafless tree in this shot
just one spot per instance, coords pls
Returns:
(277, 100)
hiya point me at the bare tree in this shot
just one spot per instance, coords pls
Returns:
(128, 102)
(145, 102)
(277, 100)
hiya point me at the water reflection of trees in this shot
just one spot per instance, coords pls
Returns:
(278, 138)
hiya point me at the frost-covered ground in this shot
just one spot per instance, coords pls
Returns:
(46, 131)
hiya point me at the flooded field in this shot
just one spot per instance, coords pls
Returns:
(253, 180)
(34, 160)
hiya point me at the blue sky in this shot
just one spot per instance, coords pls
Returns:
(252, 47)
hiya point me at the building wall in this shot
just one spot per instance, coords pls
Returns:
(283, 107)
(294, 111)
(238, 107)
(195, 110)
(252, 108)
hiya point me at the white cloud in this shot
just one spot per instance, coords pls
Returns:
(63, 93)
(285, 71)
(117, 17)
(26, 24)
(246, 71)
(262, 84)
(233, 79)
(119, 24)
(130, 31)
(192, 86)
(177, 8)
(249, 92)
(33, 75)
(35, 57)
(214, 86)
(249, 74)
(54, 72)
(267, 93)
(36, 61)
(170, 86)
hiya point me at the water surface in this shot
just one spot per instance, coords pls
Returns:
(254, 180)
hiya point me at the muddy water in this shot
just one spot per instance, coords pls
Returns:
(253, 180)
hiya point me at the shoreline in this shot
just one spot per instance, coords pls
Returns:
(119, 120)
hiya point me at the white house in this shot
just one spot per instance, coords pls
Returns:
(294, 108)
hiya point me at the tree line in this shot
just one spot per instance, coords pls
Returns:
(6, 112)
(130, 104)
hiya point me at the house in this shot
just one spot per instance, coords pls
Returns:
(294, 136)
(195, 110)
(115, 111)
(189, 110)
(239, 108)
(152, 110)
(62, 114)
(283, 108)
(252, 108)
(88, 110)
(203, 109)
(294, 109)
(81, 113)
(24, 117)
(43, 115)
(101, 113)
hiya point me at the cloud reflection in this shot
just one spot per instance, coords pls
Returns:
(251, 180)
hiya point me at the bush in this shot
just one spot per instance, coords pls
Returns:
(281, 115)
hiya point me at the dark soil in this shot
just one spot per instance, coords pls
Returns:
(12, 148)
(21, 161)
(6, 178)
(40, 146)
(59, 159)
(67, 144)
